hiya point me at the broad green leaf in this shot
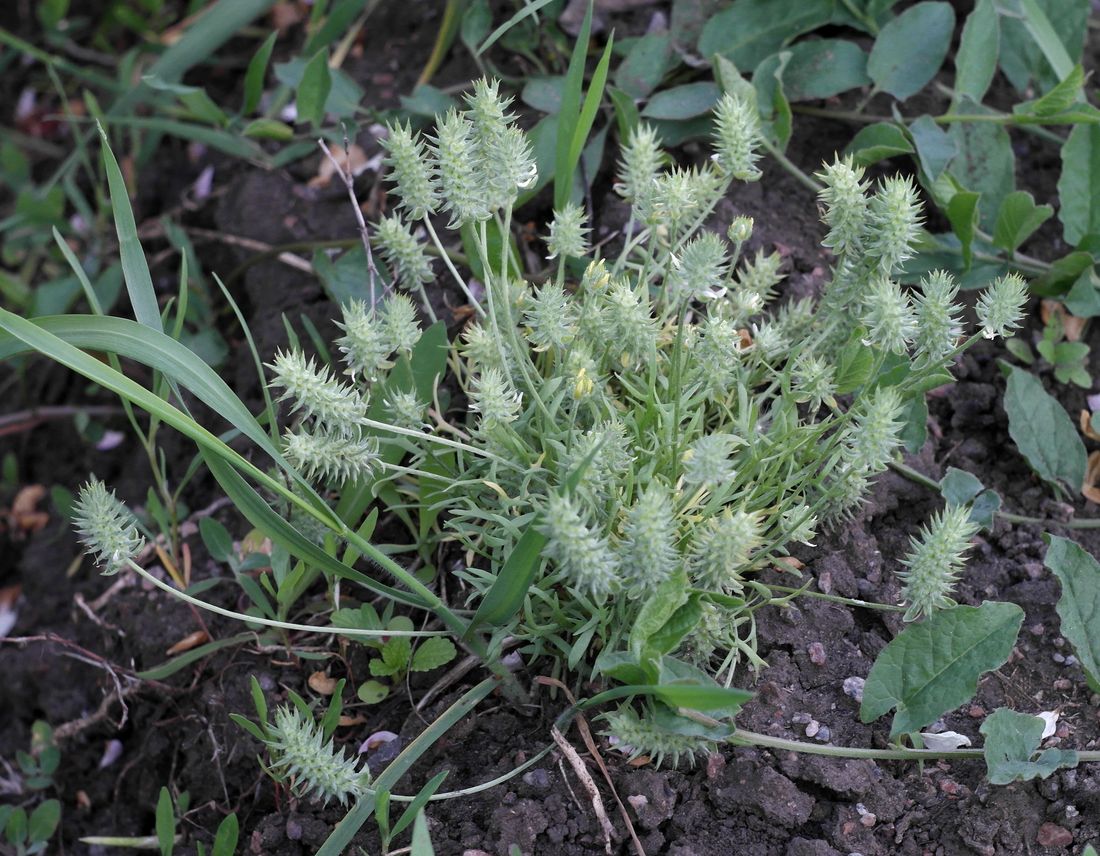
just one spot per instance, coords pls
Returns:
(822, 68)
(749, 30)
(1079, 183)
(268, 129)
(855, 364)
(506, 595)
(771, 100)
(476, 21)
(627, 116)
(958, 487)
(911, 48)
(1022, 56)
(935, 147)
(962, 213)
(543, 93)
(427, 102)
(659, 607)
(313, 89)
(645, 65)
(1063, 274)
(985, 163)
(1079, 605)
(225, 839)
(254, 76)
(877, 142)
(433, 652)
(1046, 37)
(1011, 742)
(1083, 299)
(933, 667)
(165, 823)
(344, 94)
(216, 539)
(682, 102)
(1059, 100)
(1043, 431)
(372, 692)
(43, 822)
(976, 58)
(684, 620)
(1018, 218)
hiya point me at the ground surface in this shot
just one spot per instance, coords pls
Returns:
(743, 801)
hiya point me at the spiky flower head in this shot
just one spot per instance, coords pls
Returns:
(812, 381)
(721, 547)
(315, 766)
(400, 323)
(894, 220)
(736, 137)
(889, 317)
(106, 527)
(505, 160)
(740, 230)
(799, 524)
(1001, 306)
(551, 318)
(648, 547)
(760, 276)
(494, 398)
(769, 341)
(405, 409)
(403, 253)
(578, 550)
(366, 344)
(707, 462)
(638, 736)
(627, 323)
(411, 171)
(323, 456)
(873, 436)
(318, 395)
(479, 347)
(934, 561)
(568, 234)
(844, 206)
(679, 195)
(719, 353)
(460, 179)
(938, 325)
(699, 271)
(847, 492)
(642, 160)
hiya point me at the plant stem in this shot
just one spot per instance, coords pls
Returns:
(803, 178)
(835, 598)
(1008, 517)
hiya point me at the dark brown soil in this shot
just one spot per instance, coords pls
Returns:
(743, 801)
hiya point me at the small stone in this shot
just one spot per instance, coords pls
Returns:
(293, 830)
(976, 711)
(1071, 660)
(812, 728)
(868, 820)
(949, 787)
(1062, 684)
(1053, 835)
(853, 688)
(817, 654)
(801, 718)
(1059, 642)
(537, 778)
(823, 734)
(1036, 629)
(825, 582)
(1058, 658)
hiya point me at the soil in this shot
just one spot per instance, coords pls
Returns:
(177, 731)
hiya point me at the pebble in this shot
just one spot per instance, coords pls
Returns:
(1053, 835)
(949, 786)
(976, 711)
(1071, 660)
(823, 734)
(537, 778)
(1036, 629)
(812, 728)
(817, 654)
(801, 718)
(1063, 684)
(853, 687)
(1058, 658)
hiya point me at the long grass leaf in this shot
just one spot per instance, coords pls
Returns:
(135, 270)
(507, 592)
(570, 106)
(1038, 24)
(529, 9)
(340, 839)
(592, 101)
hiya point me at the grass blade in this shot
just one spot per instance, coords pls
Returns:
(1038, 24)
(135, 270)
(570, 106)
(170, 667)
(506, 594)
(340, 839)
(588, 115)
(529, 9)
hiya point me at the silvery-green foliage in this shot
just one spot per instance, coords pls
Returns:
(312, 764)
(663, 419)
(106, 527)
